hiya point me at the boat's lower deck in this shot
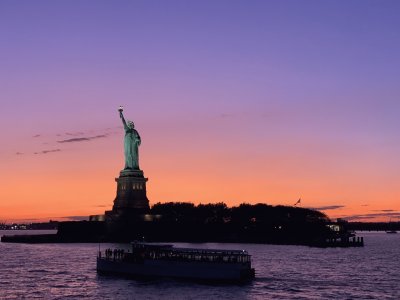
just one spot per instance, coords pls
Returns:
(198, 270)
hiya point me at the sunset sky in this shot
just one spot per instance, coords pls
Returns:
(235, 101)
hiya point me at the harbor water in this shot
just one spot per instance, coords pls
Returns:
(68, 271)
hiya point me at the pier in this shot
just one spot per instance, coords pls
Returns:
(342, 242)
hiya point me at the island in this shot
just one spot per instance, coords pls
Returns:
(132, 218)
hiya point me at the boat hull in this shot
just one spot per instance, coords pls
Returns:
(209, 271)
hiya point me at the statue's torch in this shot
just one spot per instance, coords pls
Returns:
(120, 109)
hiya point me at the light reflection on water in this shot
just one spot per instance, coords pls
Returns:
(282, 272)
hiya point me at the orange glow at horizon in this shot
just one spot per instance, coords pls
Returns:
(81, 183)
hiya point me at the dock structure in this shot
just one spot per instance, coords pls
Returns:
(342, 242)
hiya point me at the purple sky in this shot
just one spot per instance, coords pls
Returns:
(311, 84)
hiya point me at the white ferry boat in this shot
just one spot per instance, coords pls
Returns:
(149, 260)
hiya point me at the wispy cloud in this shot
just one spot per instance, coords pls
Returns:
(104, 205)
(74, 133)
(75, 218)
(225, 115)
(47, 151)
(328, 207)
(73, 137)
(90, 132)
(372, 216)
(83, 139)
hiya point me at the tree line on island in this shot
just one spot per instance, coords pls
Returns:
(216, 222)
(244, 213)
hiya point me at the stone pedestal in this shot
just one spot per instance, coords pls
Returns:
(131, 191)
(131, 201)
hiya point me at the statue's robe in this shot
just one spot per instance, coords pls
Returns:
(131, 147)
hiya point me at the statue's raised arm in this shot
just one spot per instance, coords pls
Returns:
(122, 117)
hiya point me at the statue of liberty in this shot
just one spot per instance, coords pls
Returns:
(131, 143)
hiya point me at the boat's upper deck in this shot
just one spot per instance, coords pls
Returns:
(160, 251)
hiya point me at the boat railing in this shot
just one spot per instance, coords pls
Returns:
(176, 255)
(200, 256)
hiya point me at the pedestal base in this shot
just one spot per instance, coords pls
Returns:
(131, 191)
(131, 196)
(130, 204)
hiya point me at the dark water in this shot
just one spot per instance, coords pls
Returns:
(67, 271)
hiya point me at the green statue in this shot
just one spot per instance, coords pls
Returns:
(131, 143)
